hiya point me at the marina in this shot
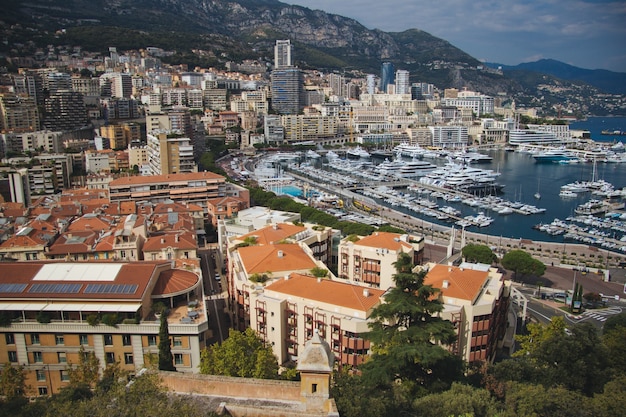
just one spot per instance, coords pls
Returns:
(511, 206)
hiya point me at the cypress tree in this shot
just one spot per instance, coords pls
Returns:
(166, 359)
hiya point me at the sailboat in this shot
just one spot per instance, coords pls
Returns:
(537, 194)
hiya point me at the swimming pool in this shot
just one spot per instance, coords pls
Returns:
(291, 190)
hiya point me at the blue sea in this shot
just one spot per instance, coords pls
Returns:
(596, 125)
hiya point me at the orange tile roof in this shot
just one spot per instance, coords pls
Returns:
(384, 240)
(150, 179)
(328, 291)
(74, 242)
(157, 243)
(174, 281)
(463, 284)
(274, 233)
(275, 258)
(91, 222)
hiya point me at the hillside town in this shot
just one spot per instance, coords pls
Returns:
(111, 214)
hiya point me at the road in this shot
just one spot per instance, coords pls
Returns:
(214, 298)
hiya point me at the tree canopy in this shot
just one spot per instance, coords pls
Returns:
(166, 359)
(478, 254)
(520, 262)
(407, 334)
(241, 354)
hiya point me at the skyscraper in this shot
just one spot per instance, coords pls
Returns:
(371, 84)
(287, 90)
(402, 82)
(386, 76)
(282, 54)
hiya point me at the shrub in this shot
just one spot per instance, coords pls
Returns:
(93, 319)
(43, 317)
(110, 319)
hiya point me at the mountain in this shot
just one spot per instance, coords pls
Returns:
(248, 29)
(607, 81)
(208, 33)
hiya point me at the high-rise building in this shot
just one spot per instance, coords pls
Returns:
(18, 114)
(402, 82)
(56, 81)
(65, 110)
(169, 153)
(282, 54)
(386, 76)
(371, 84)
(287, 91)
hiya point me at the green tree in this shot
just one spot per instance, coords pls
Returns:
(12, 382)
(537, 400)
(459, 400)
(86, 371)
(522, 263)
(538, 333)
(407, 335)
(319, 272)
(478, 254)
(241, 354)
(166, 359)
(356, 399)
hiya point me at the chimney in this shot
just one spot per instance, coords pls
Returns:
(446, 284)
(280, 253)
(366, 292)
(162, 240)
(319, 279)
(274, 226)
(286, 277)
(176, 239)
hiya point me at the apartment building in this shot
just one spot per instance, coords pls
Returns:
(289, 311)
(170, 153)
(476, 301)
(299, 128)
(193, 188)
(369, 260)
(53, 310)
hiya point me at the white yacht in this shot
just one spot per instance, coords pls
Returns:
(358, 152)
(411, 151)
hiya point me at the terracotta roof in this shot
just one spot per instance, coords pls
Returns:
(91, 223)
(164, 208)
(274, 233)
(174, 281)
(81, 241)
(275, 258)
(150, 179)
(138, 273)
(463, 284)
(328, 291)
(157, 243)
(384, 240)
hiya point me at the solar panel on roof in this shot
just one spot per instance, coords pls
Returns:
(111, 288)
(12, 287)
(55, 288)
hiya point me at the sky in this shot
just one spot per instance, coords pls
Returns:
(585, 33)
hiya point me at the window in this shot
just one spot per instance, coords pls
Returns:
(110, 357)
(123, 254)
(152, 340)
(83, 339)
(62, 357)
(37, 357)
(43, 390)
(10, 338)
(34, 339)
(128, 358)
(12, 356)
(41, 375)
(178, 341)
(313, 388)
(108, 339)
(64, 376)
(126, 339)
(59, 339)
(178, 359)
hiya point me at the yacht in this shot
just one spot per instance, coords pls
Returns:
(311, 154)
(464, 178)
(411, 151)
(358, 152)
(554, 155)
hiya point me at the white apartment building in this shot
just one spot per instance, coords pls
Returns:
(302, 127)
(97, 162)
(369, 260)
(449, 137)
(403, 85)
